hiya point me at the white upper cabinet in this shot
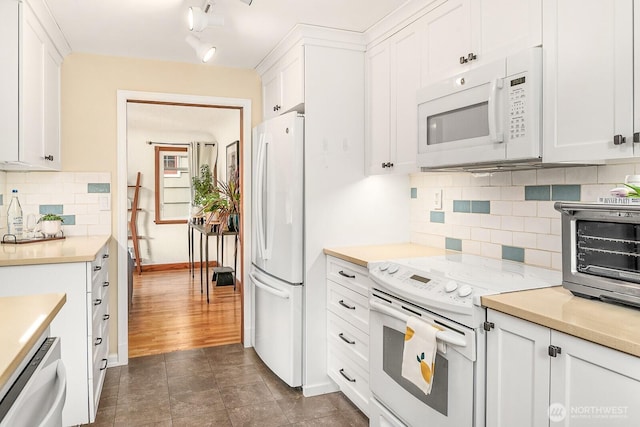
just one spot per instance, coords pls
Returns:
(393, 77)
(446, 41)
(588, 80)
(505, 27)
(283, 84)
(30, 115)
(460, 34)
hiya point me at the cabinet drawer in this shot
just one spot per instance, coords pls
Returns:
(353, 381)
(350, 275)
(350, 340)
(349, 305)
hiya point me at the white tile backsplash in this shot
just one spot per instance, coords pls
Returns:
(68, 189)
(533, 225)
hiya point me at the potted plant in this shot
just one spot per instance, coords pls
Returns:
(50, 224)
(203, 190)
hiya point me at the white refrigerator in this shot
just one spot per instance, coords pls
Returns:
(278, 244)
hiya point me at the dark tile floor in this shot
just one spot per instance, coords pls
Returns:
(216, 386)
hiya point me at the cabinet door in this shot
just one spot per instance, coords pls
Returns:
(51, 111)
(32, 85)
(292, 79)
(405, 81)
(271, 93)
(446, 34)
(505, 27)
(588, 79)
(378, 107)
(517, 372)
(592, 385)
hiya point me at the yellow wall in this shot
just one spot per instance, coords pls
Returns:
(89, 114)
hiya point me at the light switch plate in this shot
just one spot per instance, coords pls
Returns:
(105, 202)
(437, 199)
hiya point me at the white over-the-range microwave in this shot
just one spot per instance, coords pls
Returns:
(490, 115)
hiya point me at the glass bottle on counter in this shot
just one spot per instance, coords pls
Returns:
(14, 216)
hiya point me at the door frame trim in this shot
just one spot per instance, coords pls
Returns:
(123, 96)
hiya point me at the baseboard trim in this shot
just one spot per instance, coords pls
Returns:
(317, 389)
(175, 266)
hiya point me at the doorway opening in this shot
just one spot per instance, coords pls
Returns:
(179, 108)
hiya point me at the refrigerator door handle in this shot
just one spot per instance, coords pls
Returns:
(269, 289)
(260, 196)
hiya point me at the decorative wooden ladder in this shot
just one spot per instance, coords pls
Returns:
(133, 225)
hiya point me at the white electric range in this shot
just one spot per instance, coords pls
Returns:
(444, 291)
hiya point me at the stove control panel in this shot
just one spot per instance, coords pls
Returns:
(424, 288)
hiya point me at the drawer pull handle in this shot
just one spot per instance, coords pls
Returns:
(105, 256)
(347, 377)
(348, 276)
(105, 284)
(347, 340)
(97, 268)
(106, 317)
(97, 301)
(345, 305)
(98, 341)
(104, 366)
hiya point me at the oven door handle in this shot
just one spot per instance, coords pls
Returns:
(450, 338)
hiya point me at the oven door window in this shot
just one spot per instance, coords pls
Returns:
(393, 347)
(608, 249)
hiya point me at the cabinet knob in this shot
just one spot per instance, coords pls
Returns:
(276, 108)
(387, 165)
(98, 301)
(472, 56)
(463, 60)
(105, 284)
(98, 341)
(49, 157)
(636, 137)
(104, 364)
(619, 139)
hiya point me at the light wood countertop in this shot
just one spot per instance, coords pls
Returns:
(362, 255)
(69, 249)
(23, 320)
(611, 325)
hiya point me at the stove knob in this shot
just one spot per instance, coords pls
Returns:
(384, 266)
(464, 290)
(451, 286)
(393, 269)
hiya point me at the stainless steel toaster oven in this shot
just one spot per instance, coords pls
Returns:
(601, 251)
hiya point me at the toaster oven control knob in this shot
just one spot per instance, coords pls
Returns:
(464, 290)
(451, 286)
(384, 266)
(393, 269)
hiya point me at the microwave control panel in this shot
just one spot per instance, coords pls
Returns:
(517, 92)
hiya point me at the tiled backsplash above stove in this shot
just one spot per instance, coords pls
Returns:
(83, 199)
(506, 215)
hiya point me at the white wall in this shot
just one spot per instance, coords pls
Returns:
(515, 221)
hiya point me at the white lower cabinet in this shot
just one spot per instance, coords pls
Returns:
(348, 330)
(82, 324)
(537, 376)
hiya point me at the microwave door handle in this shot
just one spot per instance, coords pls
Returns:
(444, 336)
(494, 104)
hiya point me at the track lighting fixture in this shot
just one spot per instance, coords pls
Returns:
(203, 50)
(199, 19)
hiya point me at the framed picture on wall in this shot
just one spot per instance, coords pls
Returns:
(233, 161)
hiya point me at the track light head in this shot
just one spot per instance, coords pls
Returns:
(204, 51)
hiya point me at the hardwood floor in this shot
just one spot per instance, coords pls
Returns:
(169, 313)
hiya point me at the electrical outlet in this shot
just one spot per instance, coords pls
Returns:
(437, 199)
(105, 202)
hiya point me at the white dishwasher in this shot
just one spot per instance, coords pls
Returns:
(37, 395)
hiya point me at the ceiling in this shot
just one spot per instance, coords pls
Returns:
(156, 29)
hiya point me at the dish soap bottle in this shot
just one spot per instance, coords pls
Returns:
(14, 216)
